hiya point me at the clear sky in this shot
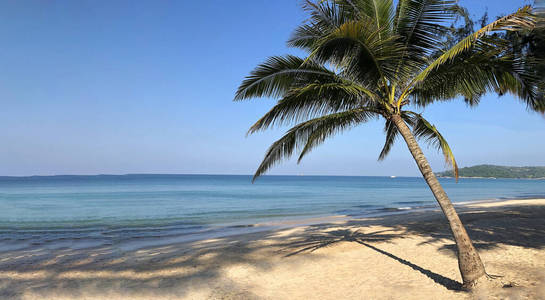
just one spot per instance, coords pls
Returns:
(90, 87)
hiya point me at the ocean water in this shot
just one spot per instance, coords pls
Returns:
(85, 211)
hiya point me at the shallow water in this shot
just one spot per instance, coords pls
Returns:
(67, 211)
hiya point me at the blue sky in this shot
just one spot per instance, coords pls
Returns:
(91, 87)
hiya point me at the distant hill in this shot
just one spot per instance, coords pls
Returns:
(497, 172)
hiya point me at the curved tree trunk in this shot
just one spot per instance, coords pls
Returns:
(471, 266)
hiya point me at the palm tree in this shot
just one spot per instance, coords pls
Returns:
(368, 59)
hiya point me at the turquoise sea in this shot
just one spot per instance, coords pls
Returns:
(67, 211)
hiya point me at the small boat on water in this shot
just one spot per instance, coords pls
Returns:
(393, 176)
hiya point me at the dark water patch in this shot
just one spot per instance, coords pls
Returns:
(242, 226)
(365, 206)
(411, 202)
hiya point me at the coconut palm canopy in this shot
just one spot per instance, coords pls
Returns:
(372, 58)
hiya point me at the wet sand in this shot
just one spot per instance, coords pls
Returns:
(405, 256)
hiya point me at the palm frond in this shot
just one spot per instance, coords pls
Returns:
(314, 100)
(425, 130)
(309, 134)
(305, 36)
(391, 134)
(421, 27)
(491, 66)
(380, 12)
(522, 19)
(324, 18)
(356, 47)
(276, 76)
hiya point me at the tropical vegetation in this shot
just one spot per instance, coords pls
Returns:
(492, 171)
(373, 59)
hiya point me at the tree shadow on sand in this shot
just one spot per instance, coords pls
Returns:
(522, 226)
(145, 273)
(317, 241)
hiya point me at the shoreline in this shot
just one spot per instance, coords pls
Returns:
(149, 236)
(409, 256)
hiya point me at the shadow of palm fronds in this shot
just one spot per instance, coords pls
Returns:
(316, 241)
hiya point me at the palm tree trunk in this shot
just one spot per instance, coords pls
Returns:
(469, 262)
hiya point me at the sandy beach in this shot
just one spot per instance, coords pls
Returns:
(406, 256)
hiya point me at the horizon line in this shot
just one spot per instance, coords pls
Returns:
(193, 174)
(224, 174)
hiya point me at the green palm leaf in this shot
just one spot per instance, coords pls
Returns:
(311, 101)
(276, 76)
(380, 12)
(489, 67)
(522, 19)
(391, 132)
(421, 27)
(360, 48)
(324, 18)
(307, 135)
(426, 131)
